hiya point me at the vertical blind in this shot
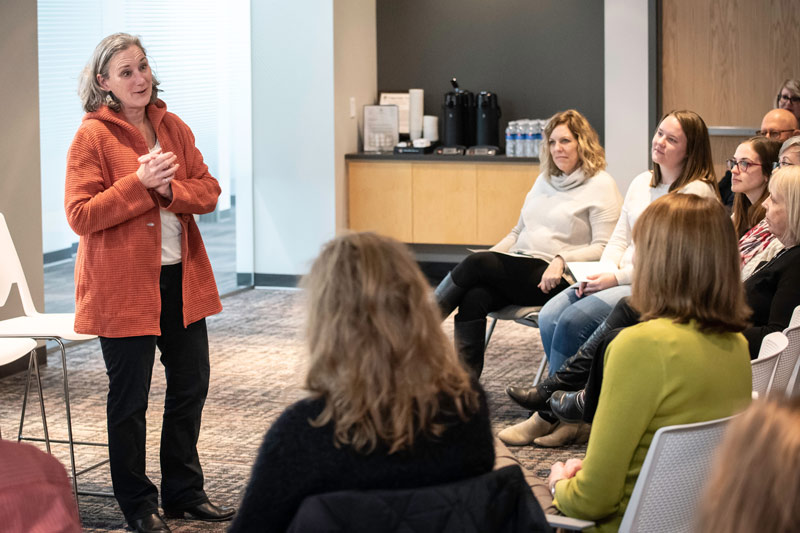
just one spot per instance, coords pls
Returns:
(200, 52)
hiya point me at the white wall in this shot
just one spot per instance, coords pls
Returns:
(627, 89)
(355, 53)
(301, 123)
(20, 188)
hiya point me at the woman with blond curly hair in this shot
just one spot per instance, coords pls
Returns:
(391, 406)
(568, 215)
(754, 483)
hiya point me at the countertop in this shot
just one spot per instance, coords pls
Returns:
(390, 156)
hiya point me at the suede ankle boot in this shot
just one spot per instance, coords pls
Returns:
(448, 295)
(565, 434)
(525, 432)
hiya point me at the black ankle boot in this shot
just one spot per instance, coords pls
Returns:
(448, 295)
(568, 406)
(531, 398)
(470, 341)
(572, 376)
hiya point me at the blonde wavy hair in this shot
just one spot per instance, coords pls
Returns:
(754, 483)
(687, 265)
(785, 182)
(591, 154)
(379, 358)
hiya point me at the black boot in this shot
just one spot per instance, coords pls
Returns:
(448, 295)
(570, 377)
(470, 342)
(568, 406)
(534, 398)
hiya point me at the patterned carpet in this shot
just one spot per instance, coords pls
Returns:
(257, 369)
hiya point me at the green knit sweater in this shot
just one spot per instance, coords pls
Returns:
(656, 374)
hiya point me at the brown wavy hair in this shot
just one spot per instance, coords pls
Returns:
(754, 483)
(698, 165)
(379, 358)
(591, 154)
(747, 214)
(687, 264)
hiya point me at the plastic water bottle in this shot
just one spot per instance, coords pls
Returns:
(537, 137)
(524, 138)
(511, 139)
(530, 146)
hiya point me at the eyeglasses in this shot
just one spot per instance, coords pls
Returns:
(773, 134)
(742, 164)
(781, 164)
(793, 99)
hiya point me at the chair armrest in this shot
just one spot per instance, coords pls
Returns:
(565, 522)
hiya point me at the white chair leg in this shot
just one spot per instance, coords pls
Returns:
(69, 421)
(490, 330)
(41, 400)
(540, 372)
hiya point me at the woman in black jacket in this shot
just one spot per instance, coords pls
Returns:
(391, 406)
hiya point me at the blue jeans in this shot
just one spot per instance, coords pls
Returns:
(566, 321)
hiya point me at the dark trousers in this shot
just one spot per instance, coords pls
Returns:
(129, 366)
(493, 280)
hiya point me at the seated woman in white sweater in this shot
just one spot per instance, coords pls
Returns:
(682, 163)
(568, 215)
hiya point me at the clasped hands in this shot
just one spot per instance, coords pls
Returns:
(157, 169)
(561, 470)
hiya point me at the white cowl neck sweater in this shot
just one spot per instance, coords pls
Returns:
(569, 215)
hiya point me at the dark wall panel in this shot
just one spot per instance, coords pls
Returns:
(539, 56)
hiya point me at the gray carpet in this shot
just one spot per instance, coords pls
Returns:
(257, 369)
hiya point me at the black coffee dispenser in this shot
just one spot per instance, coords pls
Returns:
(487, 118)
(458, 117)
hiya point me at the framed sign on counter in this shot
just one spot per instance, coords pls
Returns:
(401, 100)
(380, 128)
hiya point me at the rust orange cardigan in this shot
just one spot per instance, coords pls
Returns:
(119, 255)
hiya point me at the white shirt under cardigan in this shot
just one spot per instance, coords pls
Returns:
(569, 215)
(640, 194)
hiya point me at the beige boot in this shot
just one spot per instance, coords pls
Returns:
(565, 434)
(524, 432)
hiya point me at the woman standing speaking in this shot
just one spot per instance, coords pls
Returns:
(142, 277)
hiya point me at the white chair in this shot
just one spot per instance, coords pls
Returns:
(527, 316)
(789, 359)
(55, 327)
(763, 368)
(14, 349)
(671, 481)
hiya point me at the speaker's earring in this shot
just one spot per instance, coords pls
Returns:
(110, 100)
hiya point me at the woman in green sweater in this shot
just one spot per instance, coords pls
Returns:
(687, 361)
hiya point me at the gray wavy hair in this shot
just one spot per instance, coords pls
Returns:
(789, 143)
(91, 94)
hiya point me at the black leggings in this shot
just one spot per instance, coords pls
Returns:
(494, 280)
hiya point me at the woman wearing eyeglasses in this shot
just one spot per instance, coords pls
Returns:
(789, 97)
(750, 168)
(790, 153)
(681, 164)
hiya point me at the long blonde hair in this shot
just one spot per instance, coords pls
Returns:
(379, 358)
(687, 264)
(754, 484)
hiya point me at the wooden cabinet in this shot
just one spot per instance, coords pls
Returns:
(438, 202)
